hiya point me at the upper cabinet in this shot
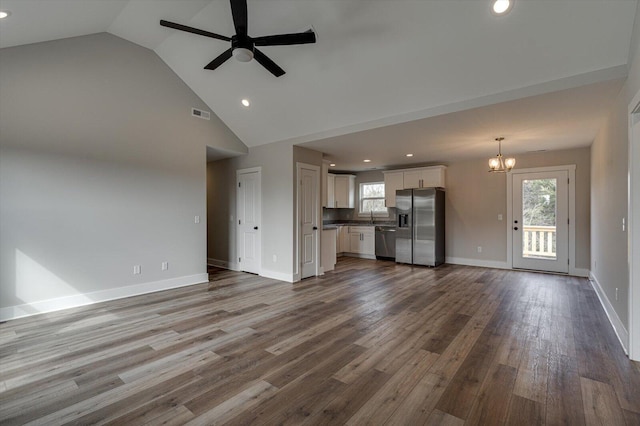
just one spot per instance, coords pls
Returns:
(344, 191)
(392, 182)
(331, 190)
(421, 177)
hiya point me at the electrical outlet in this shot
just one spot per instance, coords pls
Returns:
(165, 266)
(197, 219)
(500, 217)
(137, 270)
(623, 224)
(479, 249)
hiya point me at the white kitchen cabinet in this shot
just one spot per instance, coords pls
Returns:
(325, 183)
(392, 182)
(419, 177)
(342, 239)
(331, 187)
(328, 258)
(344, 191)
(424, 177)
(362, 241)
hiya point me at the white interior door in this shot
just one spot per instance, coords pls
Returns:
(540, 223)
(308, 199)
(249, 220)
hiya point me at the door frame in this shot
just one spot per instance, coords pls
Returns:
(571, 171)
(235, 225)
(633, 230)
(298, 267)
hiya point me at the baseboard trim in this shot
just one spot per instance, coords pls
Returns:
(614, 319)
(477, 262)
(222, 264)
(280, 276)
(76, 300)
(579, 272)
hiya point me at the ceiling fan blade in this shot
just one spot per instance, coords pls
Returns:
(267, 63)
(286, 39)
(192, 30)
(219, 60)
(239, 12)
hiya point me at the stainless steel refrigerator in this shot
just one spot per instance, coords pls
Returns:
(420, 227)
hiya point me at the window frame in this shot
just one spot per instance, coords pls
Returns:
(362, 213)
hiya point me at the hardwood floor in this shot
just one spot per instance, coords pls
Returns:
(370, 343)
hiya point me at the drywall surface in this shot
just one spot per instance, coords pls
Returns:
(276, 163)
(475, 198)
(609, 192)
(102, 167)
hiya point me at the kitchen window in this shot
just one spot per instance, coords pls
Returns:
(371, 197)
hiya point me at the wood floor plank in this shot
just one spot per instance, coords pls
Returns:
(371, 342)
(600, 404)
(523, 411)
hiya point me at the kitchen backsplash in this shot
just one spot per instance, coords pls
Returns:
(351, 215)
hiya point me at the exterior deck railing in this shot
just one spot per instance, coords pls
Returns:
(539, 241)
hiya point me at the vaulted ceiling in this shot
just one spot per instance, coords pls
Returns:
(437, 78)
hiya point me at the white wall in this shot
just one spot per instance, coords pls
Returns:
(102, 167)
(609, 203)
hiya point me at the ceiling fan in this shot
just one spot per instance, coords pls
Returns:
(243, 47)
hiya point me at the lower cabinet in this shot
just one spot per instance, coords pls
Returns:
(328, 257)
(362, 240)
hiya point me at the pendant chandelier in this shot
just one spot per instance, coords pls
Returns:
(498, 164)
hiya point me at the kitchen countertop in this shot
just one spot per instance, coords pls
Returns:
(336, 225)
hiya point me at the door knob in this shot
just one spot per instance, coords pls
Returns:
(255, 227)
(515, 228)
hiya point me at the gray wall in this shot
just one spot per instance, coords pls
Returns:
(279, 198)
(476, 197)
(609, 202)
(276, 161)
(102, 167)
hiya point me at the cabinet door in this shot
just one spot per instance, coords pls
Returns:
(368, 243)
(355, 242)
(392, 182)
(331, 193)
(344, 191)
(433, 178)
(412, 179)
(345, 240)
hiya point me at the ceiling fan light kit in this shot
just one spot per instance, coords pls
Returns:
(243, 47)
(498, 164)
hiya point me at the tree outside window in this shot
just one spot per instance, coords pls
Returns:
(372, 199)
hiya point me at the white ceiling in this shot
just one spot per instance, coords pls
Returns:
(379, 63)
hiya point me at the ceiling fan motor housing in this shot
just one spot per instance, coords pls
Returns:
(242, 48)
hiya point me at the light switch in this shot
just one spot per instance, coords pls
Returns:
(197, 219)
(500, 217)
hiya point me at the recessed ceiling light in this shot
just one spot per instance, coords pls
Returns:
(501, 7)
(409, 155)
(245, 102)
(332, 165)
(367, 161)
(4, 14)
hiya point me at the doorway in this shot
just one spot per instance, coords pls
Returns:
(308, 218)
(249, 217)
(540, 219)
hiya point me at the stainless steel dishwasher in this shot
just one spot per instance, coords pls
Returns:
(386, 242)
